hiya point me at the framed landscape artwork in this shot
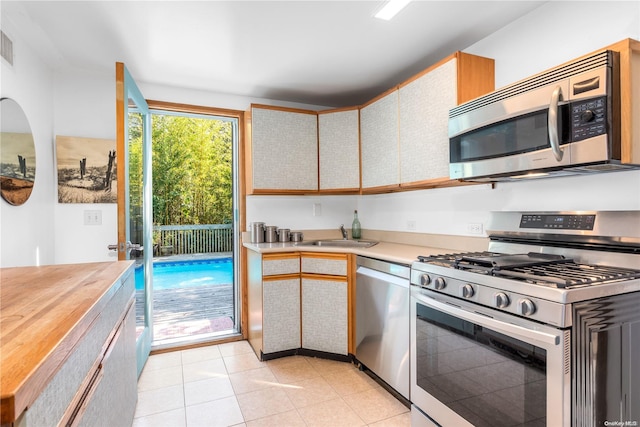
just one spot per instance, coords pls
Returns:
(86, 170)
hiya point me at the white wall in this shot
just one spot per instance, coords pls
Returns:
(299, 213)
(84, 106)
(555, 33)
(27, 230)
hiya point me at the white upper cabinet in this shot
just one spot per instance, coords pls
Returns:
(398, 139)
(283, 150)
(379, 142)
(424, 113)
(339, 148)
(424, 104)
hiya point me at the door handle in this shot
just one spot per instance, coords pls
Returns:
(121, 246)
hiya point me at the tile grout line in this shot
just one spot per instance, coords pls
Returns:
(184, 390)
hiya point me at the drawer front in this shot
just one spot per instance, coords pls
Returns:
(330, 266)
(119, 372)
(277, 266)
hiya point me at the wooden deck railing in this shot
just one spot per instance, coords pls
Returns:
(193, 239)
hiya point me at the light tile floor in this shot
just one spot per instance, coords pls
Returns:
(226, 385)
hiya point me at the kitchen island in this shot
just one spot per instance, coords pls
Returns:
(67, 336)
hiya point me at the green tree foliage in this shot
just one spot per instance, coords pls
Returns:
(192, 170)
(135, 168)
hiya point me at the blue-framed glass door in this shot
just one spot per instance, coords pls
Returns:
(135, 216)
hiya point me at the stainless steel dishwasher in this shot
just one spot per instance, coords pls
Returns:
(383, 321)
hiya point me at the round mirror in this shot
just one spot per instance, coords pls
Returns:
(17, 153)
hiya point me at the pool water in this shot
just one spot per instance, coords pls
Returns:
(185, 274)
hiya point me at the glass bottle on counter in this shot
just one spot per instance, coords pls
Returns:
(356, 232)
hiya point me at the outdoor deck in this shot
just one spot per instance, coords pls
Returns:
(189, 311)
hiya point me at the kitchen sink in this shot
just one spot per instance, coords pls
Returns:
(341, 243)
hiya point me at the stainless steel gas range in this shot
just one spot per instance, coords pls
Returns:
(541, 329)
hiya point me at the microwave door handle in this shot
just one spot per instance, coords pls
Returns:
(552, 123)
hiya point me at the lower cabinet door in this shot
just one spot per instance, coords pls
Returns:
(324, 314)
(281, 314)
(112, 399)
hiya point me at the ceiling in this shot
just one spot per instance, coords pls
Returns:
(326, 53)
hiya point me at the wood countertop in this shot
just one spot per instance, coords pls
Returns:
(44, 312)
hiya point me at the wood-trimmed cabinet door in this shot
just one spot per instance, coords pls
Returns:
(281, 314)
(283, 150)
(629, 50)
(424, 103)
(339, 150)
(379, 143)
(325, 320)
(273, 302)
(325, 302)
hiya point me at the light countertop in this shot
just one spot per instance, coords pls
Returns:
(393, 252)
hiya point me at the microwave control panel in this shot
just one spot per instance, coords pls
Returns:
(558, 221)
(588, 118)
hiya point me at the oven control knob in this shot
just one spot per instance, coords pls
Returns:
(526, 307)
(501, 300)
(439, 283)
(467, 291)
(425, 279)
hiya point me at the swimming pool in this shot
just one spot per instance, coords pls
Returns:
(191, 273)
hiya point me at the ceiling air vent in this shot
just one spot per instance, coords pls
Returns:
(6, 47)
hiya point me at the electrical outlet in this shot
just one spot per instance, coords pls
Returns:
(474, 228)
(411, 225)
(317, 209)
(92, 217)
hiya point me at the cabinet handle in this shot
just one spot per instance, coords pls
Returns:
(86, 398)
(112, 344)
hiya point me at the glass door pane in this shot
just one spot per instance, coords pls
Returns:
(194, 278)
(488, 378)
(134, 199)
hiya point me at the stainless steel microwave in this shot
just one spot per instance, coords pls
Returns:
(560, 122)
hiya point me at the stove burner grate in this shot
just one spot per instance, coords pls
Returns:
(535, 268)
(569, 275)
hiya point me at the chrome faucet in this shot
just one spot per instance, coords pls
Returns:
(344, 232)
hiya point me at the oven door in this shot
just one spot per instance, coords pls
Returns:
(472, 365)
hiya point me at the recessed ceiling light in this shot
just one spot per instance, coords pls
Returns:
(391, 9)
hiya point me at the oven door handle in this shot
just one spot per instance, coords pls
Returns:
(552, 123)
(510, 329)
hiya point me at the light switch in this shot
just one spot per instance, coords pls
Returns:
(92, 217)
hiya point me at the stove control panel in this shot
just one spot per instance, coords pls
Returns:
(558, 221)
(491, 292)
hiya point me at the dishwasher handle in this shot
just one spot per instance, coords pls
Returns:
(387, 267)
(382, 277)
